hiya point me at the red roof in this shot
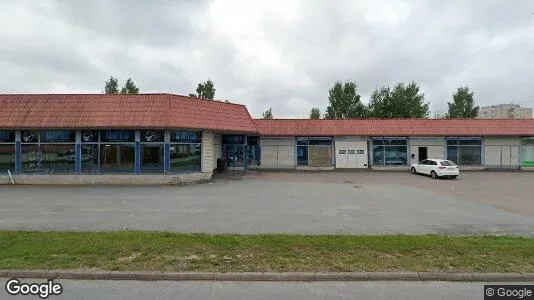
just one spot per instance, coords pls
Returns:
(78, 111)
(396, 127)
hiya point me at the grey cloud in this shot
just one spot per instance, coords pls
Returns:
(439, 44)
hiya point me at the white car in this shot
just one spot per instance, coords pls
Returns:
(436, 168)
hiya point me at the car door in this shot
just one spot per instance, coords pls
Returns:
(432, 166)
(421, 166)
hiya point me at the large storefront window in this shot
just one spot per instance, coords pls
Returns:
(314, 151)
(7, 151)
(527, 152)
(390, 151)
(152, 151)
(185, 151)
(117, 151)
(465, 150)
(48, 152)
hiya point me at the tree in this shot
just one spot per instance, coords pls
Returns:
(205, 90)
(129, 87)
(112, 86)
(404, 101)
(463, 104)
(268, 114)
(344, 102)
(315, 113)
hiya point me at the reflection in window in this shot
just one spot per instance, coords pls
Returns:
(117, 158)
(48, 158)
(90, 158)
(7, 158)
(465, 150)
(185, 157)
(527, 152)
(389, 151)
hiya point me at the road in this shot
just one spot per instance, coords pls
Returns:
(313, 203)
(368, 290)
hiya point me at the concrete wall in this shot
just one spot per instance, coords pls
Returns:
(502, 152)
(217, 148)
(435, 147)
(176, 179)
(208, 156)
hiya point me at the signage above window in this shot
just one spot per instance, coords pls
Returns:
(58, 136)
(152, 136)
(7, 136)
(233, 139)
(28, 136)
(118, 136)
(89, 136)
(186, 137)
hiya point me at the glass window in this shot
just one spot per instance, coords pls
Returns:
(378, 155)
(7, 158)
(302, 155)
(152, 158)
(452, 153)
(452, 141)
(447, 163)
(320, 141)
(185, 157)
(470, 155)
(395, 155)
(90, 158)
(352, 152)
(117, 158)
(302, 141)
(377, 141)
(470, 141)
(48, 158)
(527, 152)
(395, 141)
(7, 136)
(233, 139)
(342, 151)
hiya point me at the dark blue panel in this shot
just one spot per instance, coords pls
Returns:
(7, 136)
(167, 159)
(78, 159)
(118, 136)
(186, 136)
(137, 158)
(18, 160)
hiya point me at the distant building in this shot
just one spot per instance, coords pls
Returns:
(505, 111)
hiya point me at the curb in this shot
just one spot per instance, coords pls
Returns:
(257, 276)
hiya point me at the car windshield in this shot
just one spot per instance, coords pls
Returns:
(447, 163)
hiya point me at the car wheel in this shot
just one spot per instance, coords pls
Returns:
(454, 177)
(412, 170)
(434, 174)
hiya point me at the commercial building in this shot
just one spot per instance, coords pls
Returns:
(505, 111)
(148, 138)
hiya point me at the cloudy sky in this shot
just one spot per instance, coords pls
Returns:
(283, 54)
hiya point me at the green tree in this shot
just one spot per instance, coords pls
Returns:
(205, 90)
(463, 104)
(129, 87)
(112, 86)
(315, 113)
(268, 114)
(404, 101)
(344, 102)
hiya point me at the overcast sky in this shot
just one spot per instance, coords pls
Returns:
(283, 54)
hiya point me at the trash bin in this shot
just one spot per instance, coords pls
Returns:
(221, 165)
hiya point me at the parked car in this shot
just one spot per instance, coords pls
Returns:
(436, 168)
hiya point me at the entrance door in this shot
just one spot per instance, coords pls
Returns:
(423, 153)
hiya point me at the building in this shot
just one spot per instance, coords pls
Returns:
(505, 111)
(158, 138)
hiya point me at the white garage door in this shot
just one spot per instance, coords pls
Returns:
(277, 153)
(351, 154)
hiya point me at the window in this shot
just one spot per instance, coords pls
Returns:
(342, 151)
(117, 151)
(7, 151)
(48, 152)
(352, 151)
(185, 151)
(390, 150)
(152, 157)
(447, 163)
(527, 152)
(314, 151)
(464, 150)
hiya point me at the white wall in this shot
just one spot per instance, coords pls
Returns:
(207, 152)
(435, 147)
(501, 152)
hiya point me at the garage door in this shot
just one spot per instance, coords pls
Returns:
(351, 154)
(277, 153)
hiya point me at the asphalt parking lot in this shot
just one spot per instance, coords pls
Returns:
(315, 203)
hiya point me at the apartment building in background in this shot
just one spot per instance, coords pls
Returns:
(505, 111)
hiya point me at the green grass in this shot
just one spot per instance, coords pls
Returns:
(160, 251)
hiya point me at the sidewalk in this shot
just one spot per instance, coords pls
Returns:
(290, 276)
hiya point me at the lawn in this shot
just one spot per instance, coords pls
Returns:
(160, 251)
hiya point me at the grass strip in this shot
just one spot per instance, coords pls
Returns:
(161, 251)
